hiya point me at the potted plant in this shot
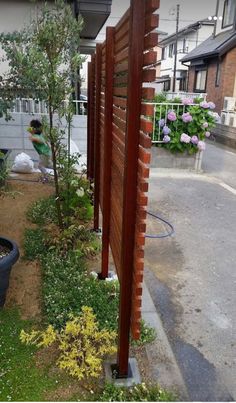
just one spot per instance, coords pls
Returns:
(4, 154)
(9, 254)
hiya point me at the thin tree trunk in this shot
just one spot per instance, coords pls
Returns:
(58, 202)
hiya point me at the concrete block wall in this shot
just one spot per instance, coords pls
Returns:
(14, 135)
(225, 135)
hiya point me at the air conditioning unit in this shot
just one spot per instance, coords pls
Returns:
(228, 118)
(229, 103)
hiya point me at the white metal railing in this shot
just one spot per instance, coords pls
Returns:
(184, 95)
(161, 111)
(36, 106)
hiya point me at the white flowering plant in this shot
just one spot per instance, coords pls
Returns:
(184, 127)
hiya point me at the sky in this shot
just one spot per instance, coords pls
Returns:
(190, 12)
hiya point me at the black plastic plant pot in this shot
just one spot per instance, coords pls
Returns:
(6, 264)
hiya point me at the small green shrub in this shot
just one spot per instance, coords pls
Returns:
(147, 335)
(34, 243)
(43, 211)
(67, 287)
(138, 393)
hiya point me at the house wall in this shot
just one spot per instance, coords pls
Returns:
(193, 39)
(227, 80)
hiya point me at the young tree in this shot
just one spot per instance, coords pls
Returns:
(43, 63)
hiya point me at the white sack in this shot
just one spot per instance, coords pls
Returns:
(23, 164)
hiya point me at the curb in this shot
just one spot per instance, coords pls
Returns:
(163, 365)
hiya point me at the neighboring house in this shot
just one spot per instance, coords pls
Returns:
(188, 38)
(212, 66)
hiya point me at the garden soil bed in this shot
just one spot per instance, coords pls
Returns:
(25, 280)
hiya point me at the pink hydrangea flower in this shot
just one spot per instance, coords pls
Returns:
(207, 134)
(185, 138)
(204, 105)
(171, 116)
(205, 125)
(186, 117)
(201, 145)
(166, 138)
(194, 140)
(211, 105)
(187, 101)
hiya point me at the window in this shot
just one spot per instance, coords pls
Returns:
(200, 80)
(163, 54)
(171, 50)
(218, 73)
(229, 13)
(166, 86)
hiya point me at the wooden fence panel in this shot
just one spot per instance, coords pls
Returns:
(122, 140)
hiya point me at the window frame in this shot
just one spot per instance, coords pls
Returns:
(223, 25)
(163, 53)
(197, 70)
(171, 50)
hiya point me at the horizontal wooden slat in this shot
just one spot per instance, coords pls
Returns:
(120, 91)
(143, 170)
(151, 6)
(148, 93)
(143, 186)
(149, 75)
(146, 126)
(119, 123)
(150, 41)
(122, 79)
(122, 32)
(144, 155)
(123, 55)
(123, 20)
(142, 199)
(120, 68)
(147, 110)
(149, 58)
(121, 44)
(120, 113)
(151, 22)
(122, 102)
(145, 141)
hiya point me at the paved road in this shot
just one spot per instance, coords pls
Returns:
(192, 275)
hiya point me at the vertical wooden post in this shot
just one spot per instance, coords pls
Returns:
(134, 96)
(98, 64)
(89, 134)
(107, 150)
(92, 118)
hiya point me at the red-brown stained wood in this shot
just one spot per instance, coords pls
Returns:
(122, 79)
(146, 126)
(144, 155)
(121, 44)
(123, 20)
(148, 93)
(149, 58)
(120, 113)
(121, 68)
(143, 185)
(151, 6)
(97, 136)
(142, 199)
(122, 102)
(145, 141)
(149, 75)
(119, 123)
(151, 23)
(120, 91)
(143, 170)
(147, 110)
(151, 41)
(121, 56)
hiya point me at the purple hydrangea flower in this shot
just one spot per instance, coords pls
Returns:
(166, 138)
(186, 117)
(166, 130)
(172, 116)
(207, 134)
(185, 138)
(211, 105)
(187, 101)
(194, 140)
(201, 145)
(205, 125)
(161, 122)
(204, 105)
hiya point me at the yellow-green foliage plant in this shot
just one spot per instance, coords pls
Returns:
(81, 345)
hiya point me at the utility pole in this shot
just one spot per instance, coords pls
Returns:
(176, 45)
